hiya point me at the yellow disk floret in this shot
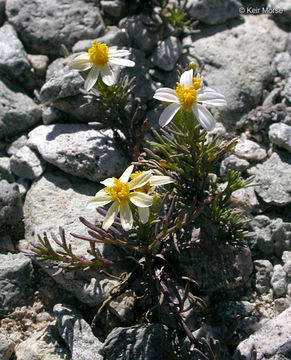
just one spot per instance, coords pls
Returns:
(196, 82)
(98, 53)
(187, 97)
(119, 191)
(145, 188)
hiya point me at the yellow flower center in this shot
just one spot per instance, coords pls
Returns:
(187, 97)
(196, 83)
(98, 53)
(119, 191)
(145, 188)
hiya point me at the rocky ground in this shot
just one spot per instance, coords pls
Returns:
(51, 162)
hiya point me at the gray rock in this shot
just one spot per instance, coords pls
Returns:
(234, 163)
(16, 145)
(78, 150)
(287, 90)
(213, 12)
(42, 345)
(271, 98)
(274, 177)
(77, 334)
(45, 25)
(283, 64)
(280, 134)
(284, 7)
(25, 163)
(231, 52)
(270, 340)
(114, 37)
(142, 30)
(138, 342)
(39, 64)
(42, 213)
(2, 11)
(6, 347)
(286, 257)
(51, 115)
(13, 58)
(263, 275)
(167, 53)
(249, 150)
(114, 8)
(6, 245)
(23, 186)
(5, 170)
(272, 234)
(246, 200)
(278, 281)
(17, 111)
(15, 278)
(10, 203)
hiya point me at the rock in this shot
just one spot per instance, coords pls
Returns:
(284, 11)
(246, 200)
(114, 37)
(213, 12)
(51, 115)
(271, 340)
(16, 145)
(78, 150)
(23, 186)
(5, 170)
(46, 25)
(42, 345)
(272, 234)
(287, 90)
(15, 279)
(6, 245)
(271, 98)
(6, 347)
(229, 52)
(139, 342)
(274, 177)
(282, 63)
(263, 275)
(113, 8)
(278, 281)
(17, 112)
(142, 30)
(25, 163)
(249, 150)
(167, 53)
(42, 213)
(13, 58)
(281, 304)
(280, 134)
(10, 203)
(2, 11)
(77, 334)
(39, 64)
(234, 163)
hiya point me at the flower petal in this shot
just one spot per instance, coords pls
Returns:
(126, 174)
(126, 218)
(117, 53)
(166, 90)
(212, 98)
(108, 76)
(144, 214)
(79, 62)
(92, 78)
(168, 114)
(108, 182)
(166, 97)
(111, 215)
(157, 180)
(186, 78)
(204, 117)
(122, 62)
(140, 199)
(140, 180)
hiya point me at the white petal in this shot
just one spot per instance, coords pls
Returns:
(157, 180)
(100, 199)
(92, 78)
(79, 61)
(108, 76)
(214, 102)
(204, 117)
(126, 216)
(186, 78)
(211, 97)
(140, 180)
(122, 62)
(108, 182)
(118, 53)
(166, 97)
(166, 90)
(125, 176)
(144, 214)
(140, 199)
(111, 215)
(168, 114)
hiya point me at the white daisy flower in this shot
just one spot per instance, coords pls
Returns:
(100, 59)
(121, 192)
(148, 188)
(190, 95)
